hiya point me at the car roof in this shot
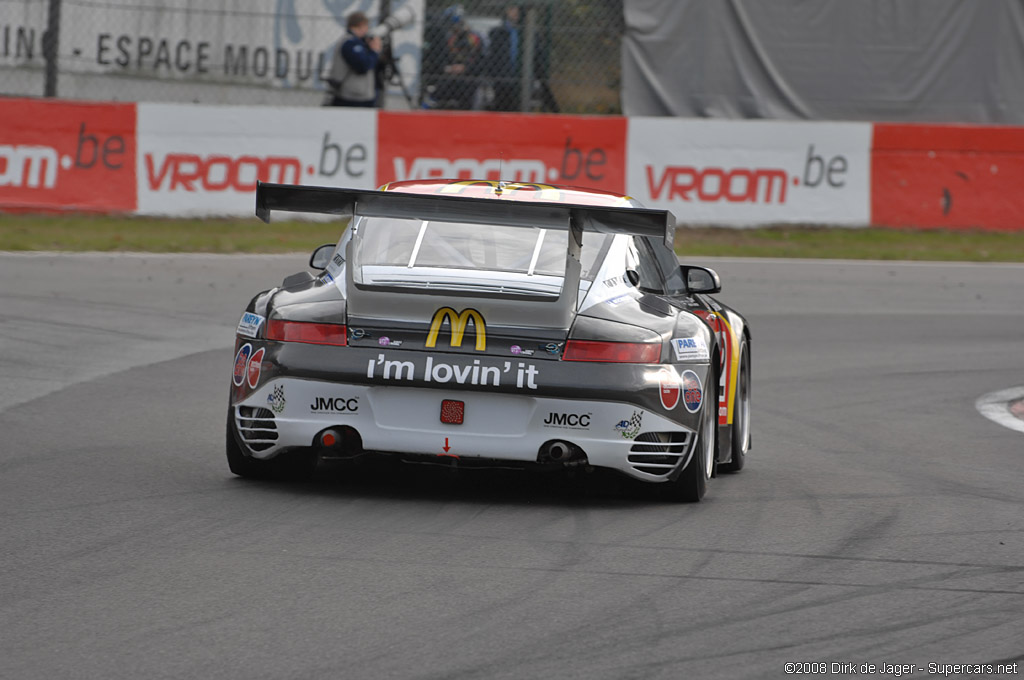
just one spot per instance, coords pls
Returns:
(515, 191)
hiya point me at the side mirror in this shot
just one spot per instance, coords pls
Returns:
(700, 279)
(321, 257)
(632, 278)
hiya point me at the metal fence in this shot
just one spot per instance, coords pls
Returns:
(488, 55)
(550, 56)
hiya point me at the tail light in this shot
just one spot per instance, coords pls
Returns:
(614, 352)
(310, 333)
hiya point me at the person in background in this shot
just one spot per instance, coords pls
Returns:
(353, 79)
(458, 84)
(503, 59)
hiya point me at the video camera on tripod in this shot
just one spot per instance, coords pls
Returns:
(403, 16)
(387, 70)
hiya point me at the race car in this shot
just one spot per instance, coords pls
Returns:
(485, 323)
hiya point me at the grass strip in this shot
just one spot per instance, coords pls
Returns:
(855, 244)
(74, 232)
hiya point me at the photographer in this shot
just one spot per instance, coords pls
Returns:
(353, 79)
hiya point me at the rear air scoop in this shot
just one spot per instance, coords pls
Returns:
(455, 273)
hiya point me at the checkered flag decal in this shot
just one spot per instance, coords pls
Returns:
(634, 424)
(277, 399)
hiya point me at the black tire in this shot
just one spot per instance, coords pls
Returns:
(692, 483)
(741, 414)
(291, 466)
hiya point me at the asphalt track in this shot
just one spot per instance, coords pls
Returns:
(880, 518)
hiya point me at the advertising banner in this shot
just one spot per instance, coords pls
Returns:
(952, 176)
(205, 160)
(67, 156)
(746, 173)
(221, 51)
(541, 149)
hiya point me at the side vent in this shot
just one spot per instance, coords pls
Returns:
(658, 453)
(256, 427)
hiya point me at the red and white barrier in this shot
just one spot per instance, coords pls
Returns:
(178, 159)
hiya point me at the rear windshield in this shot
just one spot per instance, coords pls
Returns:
(409, 250)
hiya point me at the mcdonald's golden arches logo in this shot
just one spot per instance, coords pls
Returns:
(458, 322)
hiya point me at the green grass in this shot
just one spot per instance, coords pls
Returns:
(855, 244)
(160, 235)
(73, 232)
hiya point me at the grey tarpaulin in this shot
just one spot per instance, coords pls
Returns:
(878, 60)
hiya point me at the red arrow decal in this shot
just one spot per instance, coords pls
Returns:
(446, 447)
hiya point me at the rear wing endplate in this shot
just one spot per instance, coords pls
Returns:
(510, 213)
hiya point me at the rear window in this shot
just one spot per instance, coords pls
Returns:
(402, 249)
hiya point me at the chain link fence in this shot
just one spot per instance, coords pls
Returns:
(485, 55)
(554, 56)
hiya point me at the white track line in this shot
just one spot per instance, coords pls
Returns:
(995, 406)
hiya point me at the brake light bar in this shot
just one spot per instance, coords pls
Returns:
(613, 352)
(309, 333)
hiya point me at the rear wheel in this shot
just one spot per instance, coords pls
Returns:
(692, 484)
(292, 465)
(741, 414)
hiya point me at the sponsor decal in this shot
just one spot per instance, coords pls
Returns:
(359, 334)
(752, 172)
(338, 259)
(729, 367)
(193, 172)
(617, 300)
(569, 421)
(458, 322)
(629, 429)
(668, 389)
(276, 400)
(573, 151)
(437, 371)
(552, 347)
(613, 282)
(384, 342)
(693, 394)
(691, 349)
(241, 361)
(710, 184)
(334, 405)
(191, 160)
(66, 155)
(519, 351)
(249, 326)
(327, 277)
(255, 367)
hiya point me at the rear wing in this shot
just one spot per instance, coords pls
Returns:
(546, 215)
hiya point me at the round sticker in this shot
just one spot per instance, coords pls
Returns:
(241, 361)
(255, 367)
(668, 389)
(693, 395)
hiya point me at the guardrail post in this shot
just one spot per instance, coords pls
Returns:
(527, 56)
(51, 44)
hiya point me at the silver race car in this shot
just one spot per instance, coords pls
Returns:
(491, 323)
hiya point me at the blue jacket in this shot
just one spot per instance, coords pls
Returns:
(353, 71)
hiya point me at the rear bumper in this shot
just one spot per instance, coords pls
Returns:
(290, 412)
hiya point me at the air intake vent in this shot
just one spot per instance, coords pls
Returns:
(658, 453)
(256, 427)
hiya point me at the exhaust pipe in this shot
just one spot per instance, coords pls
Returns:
(336, 443)
(559, 451)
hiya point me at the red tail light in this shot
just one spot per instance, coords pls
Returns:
(310, 333)
(616, 352)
